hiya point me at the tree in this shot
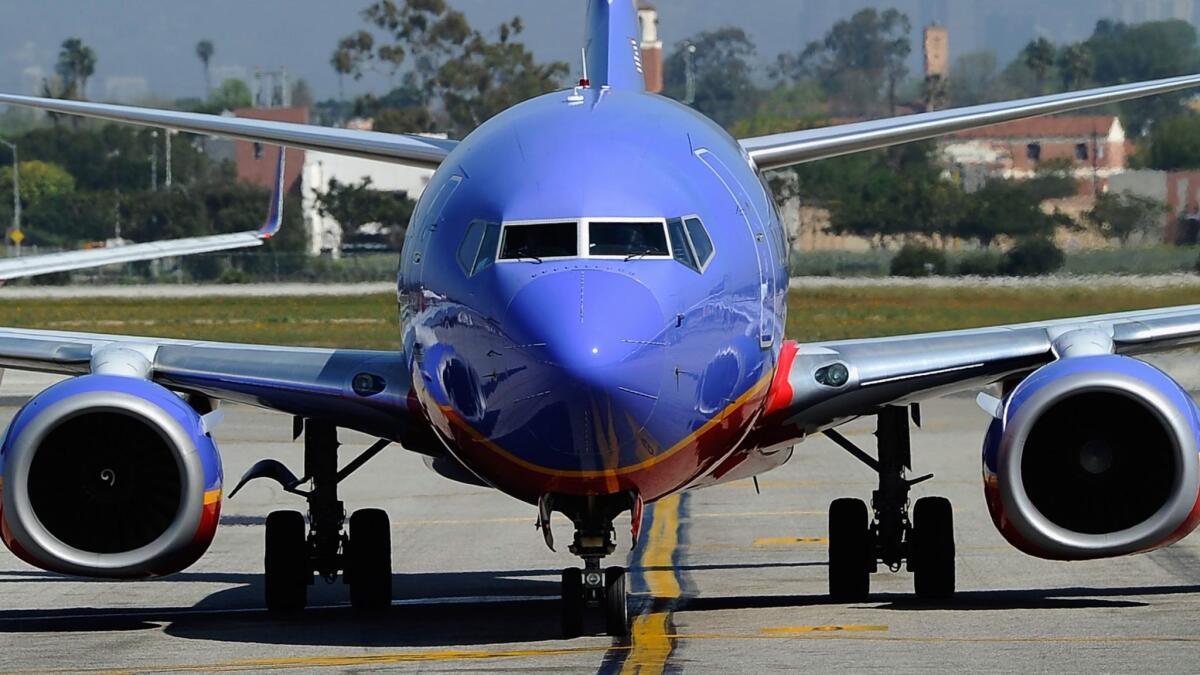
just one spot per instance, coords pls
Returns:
(1120, 216)
(1172, 144)
(1006, 208)
(354, 206)
(485, 78)
(302, 96)
(231, 95)
(1039, 56)
(858, 61)
(898, 192)
(1130, 53)
(724, 77)
(204, 52)
(39, 181)
(973, 79)
(461, 76)
(76, 63)
(1075, 66)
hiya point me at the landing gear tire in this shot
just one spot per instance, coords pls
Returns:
(573, 602)
(616, 602)
(851, 555)
(288, 572)
(931, 557)
(369, 560)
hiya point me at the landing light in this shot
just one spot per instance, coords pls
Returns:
(595, 350)
(835, 375)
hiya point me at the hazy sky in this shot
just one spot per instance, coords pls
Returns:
(151, 43)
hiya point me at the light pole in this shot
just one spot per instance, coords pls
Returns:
(689, 59)
(16, 234)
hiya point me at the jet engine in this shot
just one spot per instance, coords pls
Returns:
(109, 476)
(1093, 457)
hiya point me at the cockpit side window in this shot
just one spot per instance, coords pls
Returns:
(539, 241)
(487, 250)
(701, 243)
(468, 250)
(680, 247)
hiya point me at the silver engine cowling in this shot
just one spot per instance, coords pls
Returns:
(109, 476)
(1093, 457)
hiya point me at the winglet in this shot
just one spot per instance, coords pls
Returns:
(275, 210)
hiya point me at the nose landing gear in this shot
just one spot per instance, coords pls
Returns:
(858, 543)
(592, 589)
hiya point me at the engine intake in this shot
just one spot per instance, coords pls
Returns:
(1094, 457)
(109, 476)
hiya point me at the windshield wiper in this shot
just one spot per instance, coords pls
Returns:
(636, 256)
(523, 254)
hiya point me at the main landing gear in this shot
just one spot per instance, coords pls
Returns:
(858, 542)
(592, 589)
(362, 553)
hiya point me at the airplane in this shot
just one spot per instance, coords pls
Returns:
(592, 298)
(66, 261)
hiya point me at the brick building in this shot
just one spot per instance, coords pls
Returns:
(256, 161)
(1095, 146)
(651, 47)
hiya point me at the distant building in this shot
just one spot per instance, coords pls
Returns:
(1095, 146)
(325, 234)
(307, 174)
(937, 51)
(652, 48)
(937, 65)
(1178, 190)
(256, 161)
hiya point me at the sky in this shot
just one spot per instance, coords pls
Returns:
(148, 46)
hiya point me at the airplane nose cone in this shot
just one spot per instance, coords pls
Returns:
(598, 339)
(588, 319)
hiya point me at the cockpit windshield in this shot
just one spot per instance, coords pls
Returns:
(627, 239)
(539, 241)
(683, 239)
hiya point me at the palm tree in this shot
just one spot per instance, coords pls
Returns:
(204, 52)
(1075, 66)
(76, 63)
(1039, 55)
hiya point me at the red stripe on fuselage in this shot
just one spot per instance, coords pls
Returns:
(652, 478)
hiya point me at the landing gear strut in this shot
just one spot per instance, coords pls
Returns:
(592, 587)
(858, 542)
(363, 554)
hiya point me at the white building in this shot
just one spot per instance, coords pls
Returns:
(324, 233)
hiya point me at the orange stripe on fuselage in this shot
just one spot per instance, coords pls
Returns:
(748, 396)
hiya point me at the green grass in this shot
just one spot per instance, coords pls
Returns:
(369, 322)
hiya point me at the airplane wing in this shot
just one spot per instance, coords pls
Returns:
(28, 266)
(396, 148)
(780, 150)
(823, 384)
(368, 391)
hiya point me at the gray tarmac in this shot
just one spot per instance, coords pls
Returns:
(725, 580)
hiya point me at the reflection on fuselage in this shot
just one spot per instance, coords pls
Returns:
(585, 374)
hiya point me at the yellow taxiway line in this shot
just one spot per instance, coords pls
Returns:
(650, 637)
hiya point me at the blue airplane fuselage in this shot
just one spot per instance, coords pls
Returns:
(592, 375)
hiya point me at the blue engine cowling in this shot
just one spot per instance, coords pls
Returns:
(1093, 457)
(109, 476)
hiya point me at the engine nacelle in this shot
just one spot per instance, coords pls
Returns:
(1094, 456)
(109, 476)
